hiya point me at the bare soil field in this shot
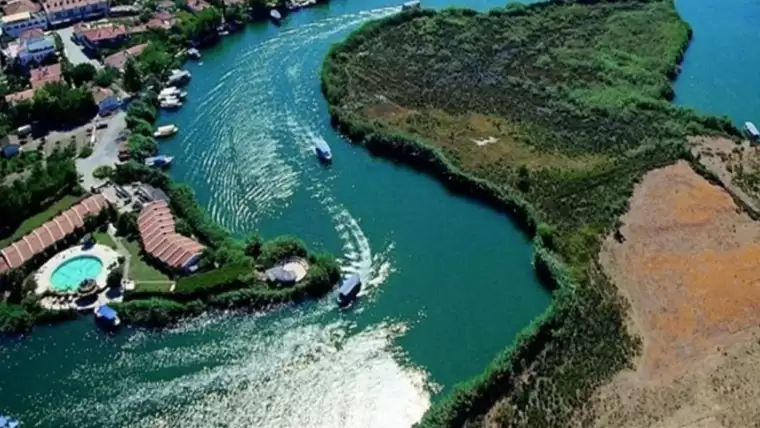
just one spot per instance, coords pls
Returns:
(690, 265)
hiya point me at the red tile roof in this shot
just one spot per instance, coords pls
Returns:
(105, 33)
(49, 233)
(41, 76)
(119, 59)
(159, 238)
(21, 6)
(59, 5)
(20, 96)
(33, 33)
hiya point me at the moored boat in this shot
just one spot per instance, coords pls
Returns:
(323, 150)
(752, 131)
(179, 77)
(349, 289)
(194, 53)
(165, 131)
(275, 15)
(106, 316)
(415, 4)
(171, 103)
(160, 161)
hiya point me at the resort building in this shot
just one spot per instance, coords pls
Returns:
(50, 233)
(162, 242)
(33, 46)
(196, 6)
(102, 36)
(106, 100)
(119, 59)
(39, 77)
(20, 6)
(19, 96)
(13, 25)
(61, 11)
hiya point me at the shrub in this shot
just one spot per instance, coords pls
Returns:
(280, 248)
(103, 172)
(85, 152)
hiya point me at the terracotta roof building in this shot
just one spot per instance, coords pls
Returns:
(43, 75)
(160, 240)
(19, 96)
(101, 36)
(50, 233)
(21, 6)
(119, 59)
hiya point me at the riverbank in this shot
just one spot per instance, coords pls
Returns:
(575, 181)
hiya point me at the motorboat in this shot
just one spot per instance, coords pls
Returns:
(165, 131)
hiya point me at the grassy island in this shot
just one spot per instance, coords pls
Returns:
(551, 112)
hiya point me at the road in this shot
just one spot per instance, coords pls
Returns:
(73, 51)
(105, 151)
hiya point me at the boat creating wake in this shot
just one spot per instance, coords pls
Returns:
(307, 366)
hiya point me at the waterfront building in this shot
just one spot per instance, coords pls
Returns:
(119, 59)
(41, 76)
(13, 25)
(161, 241)
(62, 11)
(106, 100)
(50, 233)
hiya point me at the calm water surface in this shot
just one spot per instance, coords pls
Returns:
(450, 281)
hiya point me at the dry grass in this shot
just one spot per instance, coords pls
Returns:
(690, 266)
(725, 158)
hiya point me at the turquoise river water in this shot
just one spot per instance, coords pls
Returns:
(449, 281)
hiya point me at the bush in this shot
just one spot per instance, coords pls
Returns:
(282, 247)
(85, 152)
(113, 280)
(103, 172)
(14, 319)
(215, 281)
(156, 312)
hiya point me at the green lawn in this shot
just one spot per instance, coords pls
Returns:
(39, 219)
(139, 270)
(103, 238)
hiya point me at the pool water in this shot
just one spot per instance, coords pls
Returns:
(72, 272)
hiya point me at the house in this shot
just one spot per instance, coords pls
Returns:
(41, 76)
(50, 233)
(102, 36)
(106, 100)
(160, 240)
(61, 11)
(15, 24)
(21, 6)
(34, 46)
(196, 6)
(119, 59)
(19, 96)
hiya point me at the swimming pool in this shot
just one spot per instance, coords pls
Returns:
(72, 272)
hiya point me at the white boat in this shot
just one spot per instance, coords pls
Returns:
(165, 131)
(179, 76)
(194, 53)
(415, 4)
(171, 92)
(275, 15)
(160, 161)
(171, 103)
(752, 131)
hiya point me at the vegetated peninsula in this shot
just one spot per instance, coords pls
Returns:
(560, 113)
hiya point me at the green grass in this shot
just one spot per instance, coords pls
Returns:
(39, 219)
(139, 270)
(103, 238)
(153, 287)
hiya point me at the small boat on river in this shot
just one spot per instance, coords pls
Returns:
(323, 150)
(349, 289)
(171, 103)
(275, 15)
(752, 131)
(160, 161)
(107, 317)
(415, 4)
(165, 131)
(194, 53)
(171, 92)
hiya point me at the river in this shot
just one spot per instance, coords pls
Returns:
(450, 281)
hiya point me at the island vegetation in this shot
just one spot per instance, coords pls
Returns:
(550, 112)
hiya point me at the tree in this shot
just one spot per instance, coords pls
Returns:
(113, 280)
(132, 80)
(253, 245)
(141, 147)
(106, 76)
(141, 110)
(80, 74)
(103, 172)
(126, 225)
(155, 59)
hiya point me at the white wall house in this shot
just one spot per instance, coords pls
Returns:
(16, 24)
(60, 11)
(35, 48)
